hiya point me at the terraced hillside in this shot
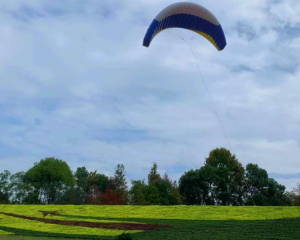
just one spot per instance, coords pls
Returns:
(148, 222)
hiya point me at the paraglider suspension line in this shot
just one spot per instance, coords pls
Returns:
(217, 114)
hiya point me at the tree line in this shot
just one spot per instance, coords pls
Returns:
(222, 180)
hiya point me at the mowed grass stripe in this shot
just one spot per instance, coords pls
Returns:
(23, 224)
(161, 212)
(188, 222)
(40, 234)
(120, 226)
(5, 233)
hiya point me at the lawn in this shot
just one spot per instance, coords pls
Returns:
(184, 222)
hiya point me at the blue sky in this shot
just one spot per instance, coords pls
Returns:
(77, 84)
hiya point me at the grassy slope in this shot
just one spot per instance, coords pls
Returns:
(188, 222)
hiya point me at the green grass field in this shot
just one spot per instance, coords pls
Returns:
(186, 222)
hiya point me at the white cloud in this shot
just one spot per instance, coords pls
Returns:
(74, 76)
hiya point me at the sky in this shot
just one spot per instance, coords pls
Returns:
(77, 84)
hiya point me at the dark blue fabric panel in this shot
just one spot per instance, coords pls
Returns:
(190, 22)
(150, 33)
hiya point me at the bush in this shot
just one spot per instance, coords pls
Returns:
(125, 236)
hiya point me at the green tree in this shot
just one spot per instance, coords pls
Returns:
(102, 183)
(50, 178)
(194, 187)
(97, 185)
(276, 194)
(292, 197)
(174, 197)
(89, 186)
(257, 178)
(137, 196)
(228, 186)
(296, 193)
(119, 179)
(160, 190)
(22, 192)
(219, 182)
(152, 195)
(119, 183)
(74, 196)
(5, 186)
(82, 189)
(153, 176)
(4, 198)
(168, 191)
(265, 191)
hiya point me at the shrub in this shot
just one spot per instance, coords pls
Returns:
(125, 236)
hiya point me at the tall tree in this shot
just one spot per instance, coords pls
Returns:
(81, 178)
(4, 198)
(5, 191)
(137, 192)
(51, 178)
(119, 183)
(263, 190)
(22, 192)
(151, 193)
(194, 187)
(228, 186)
(160, 190)
(256, 177)
(119, 179)
(296, 192)
(275, 194)
(153, 176)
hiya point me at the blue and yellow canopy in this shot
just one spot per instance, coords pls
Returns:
(189, 16)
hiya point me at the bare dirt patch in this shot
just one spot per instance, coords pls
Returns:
(52, 213)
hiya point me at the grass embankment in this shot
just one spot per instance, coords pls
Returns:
(187, 222)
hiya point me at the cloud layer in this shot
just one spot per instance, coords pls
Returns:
(77, 84)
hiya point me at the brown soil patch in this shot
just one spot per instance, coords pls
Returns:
(45, 213)
(119, 226)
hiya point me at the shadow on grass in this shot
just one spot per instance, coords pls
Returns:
(29, 233)
(16, 237)
(284, 229)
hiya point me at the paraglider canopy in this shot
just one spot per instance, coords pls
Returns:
(189, 16)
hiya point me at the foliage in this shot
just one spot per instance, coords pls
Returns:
(112, 197)
(296, 193)
(82, 186)
(89, 186)
(159, 191)
(5, 186)
(137, 192)
(22, 192)
(100, 180)
(153, 176)
(4, 198)
(125, 236)
(118, 184)
(50, 178)
(95, 195)
(265, 191)
(257, 178)
(152, 195)
(218, 182)
(221, 181)
(292, 197)
(227, 186)
(194, 187)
